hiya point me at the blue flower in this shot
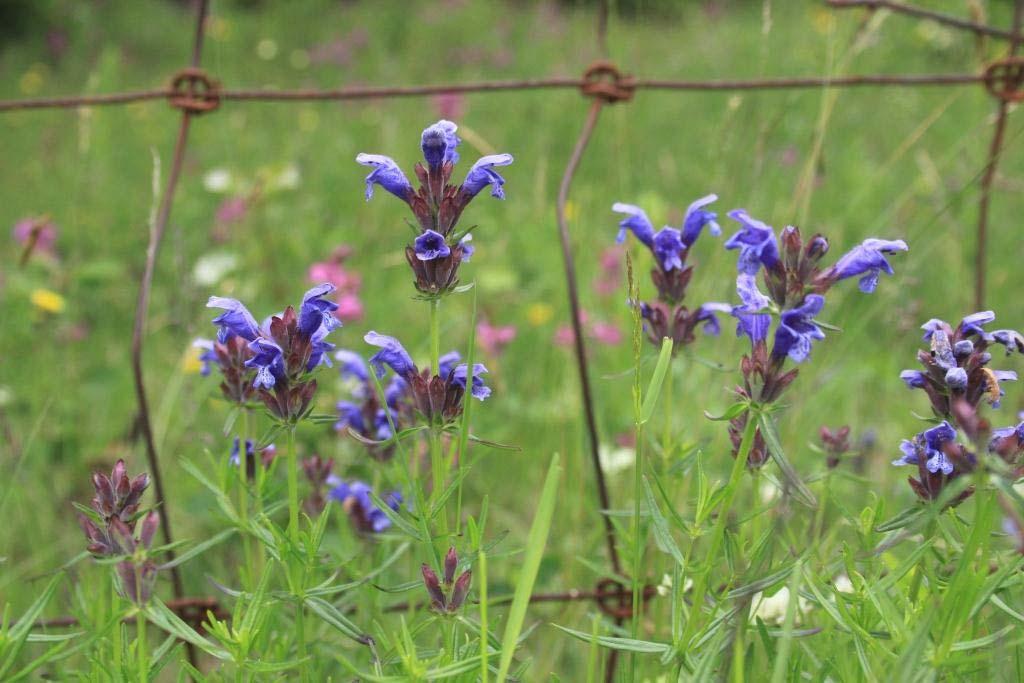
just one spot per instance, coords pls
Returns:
(750, 321)
(391, 354)
(756, 242)
(867, 260)
(356, 499)
(250, 449)
(394, 391)
(999, 435)
(350, 364)
(317, 313)
(387, 174)
(1011, 339)
(797, 329)
(467, 248)
(236, 320)
(349, 415)
(972, 324)
(447, 363)
(482, 174)
(706, 314)
(914, 379)
(430, 245)
(480, 390)
(207, 356)
(696, 218)
(438, 143)
(956, 379)
(268, 360)
(929, 443)
(637, 222)
(668, 244)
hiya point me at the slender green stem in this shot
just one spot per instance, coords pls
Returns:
(437, 464)
(435, 333)
(666, 439)
(293, 490)
(718, 532)
(141, 647)
(243, 495)
(482, 589)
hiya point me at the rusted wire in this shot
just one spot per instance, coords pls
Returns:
(552, 83)
(142, 308)
(922, 13)
(577, 327)
(994, 153)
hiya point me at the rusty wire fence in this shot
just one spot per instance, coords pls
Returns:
(195, 92)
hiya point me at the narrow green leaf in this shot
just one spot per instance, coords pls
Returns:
(771, 437)
(15, 639)
(198, 549)
(620, 644)
(333, 616)
(733, 411)
(657, 379)
(662, 535)
(535, 544)
(170, 622)
(398, 520)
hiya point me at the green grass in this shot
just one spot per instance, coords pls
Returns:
(896, 163)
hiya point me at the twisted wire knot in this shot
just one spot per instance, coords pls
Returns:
(1004, 79)
(193, 91)
(616, 600)
(603, 80)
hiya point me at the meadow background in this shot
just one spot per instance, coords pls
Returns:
(856, 163)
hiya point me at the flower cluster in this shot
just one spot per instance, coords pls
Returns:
(285, 349)
(447, 597)
(439, 246)
(365, 415)
(956, 378)
(355, 498)
(668, 317)
(796, 285)
(111, 530)
(437, 397)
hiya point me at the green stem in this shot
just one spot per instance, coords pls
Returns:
(718, 533)
(243, 495)
(437, 464)
(638, 542)
(293, 490)
(482, 589)
(141, 648)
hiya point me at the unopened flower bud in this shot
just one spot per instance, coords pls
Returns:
(451, 563)
(437, 599)
(460, 591)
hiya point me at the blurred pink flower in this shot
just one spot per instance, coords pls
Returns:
(493, 339)
(350, 307)
(606, 333)
(232, 210)
(609, 280)
(348, 283)
(45, 240)
(450, 105)
(601, 332)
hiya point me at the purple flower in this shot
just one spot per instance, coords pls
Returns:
(467, 248)
(867, 260)
(696, 218)
(387, 174)
(972, 324)
(268, 361)
(207, 356)
(351, 364)
(1000, 435)
(797, 329)
(1011, 339)
(391, 354)
(317, 312)
(637, 222)
(706, 314)
(430, 245)
(236, 320)
(956, 379)
(355, 498)
(914, 379)
(480, 391)
(394, 391)
(447, 363)
(929, 443)
(349, 415)
(482, 174)
(666, 248)
(750, 321)
(439, 142)
(756, 242)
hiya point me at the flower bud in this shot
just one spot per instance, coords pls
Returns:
(460, 591)
(437, 599)
(451, 563)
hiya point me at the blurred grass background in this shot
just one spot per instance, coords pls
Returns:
(893, 163)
